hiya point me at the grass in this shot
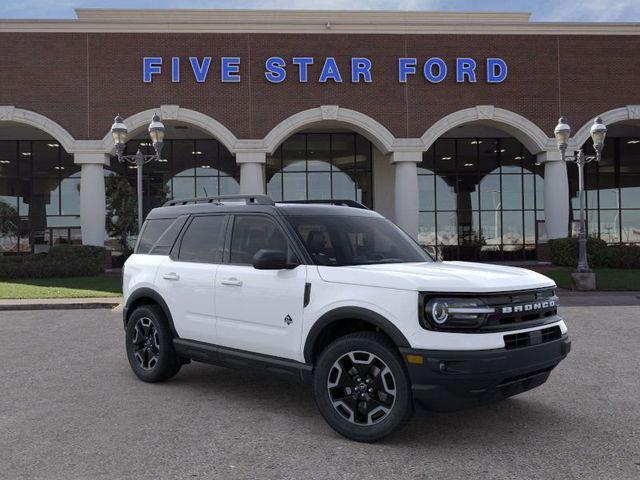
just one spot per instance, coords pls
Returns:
(607, 279)
(71, 287)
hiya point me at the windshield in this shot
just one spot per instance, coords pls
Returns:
(340, 240)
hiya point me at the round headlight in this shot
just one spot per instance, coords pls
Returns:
(439, 312)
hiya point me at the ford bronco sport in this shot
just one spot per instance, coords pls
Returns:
(339, 297)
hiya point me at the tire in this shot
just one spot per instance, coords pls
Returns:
(149, 345)
(370, 402)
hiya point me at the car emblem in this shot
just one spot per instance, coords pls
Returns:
(288, 320)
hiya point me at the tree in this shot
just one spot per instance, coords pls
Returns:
(122, 210)
(9, 221)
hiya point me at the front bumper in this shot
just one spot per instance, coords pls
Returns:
(450, 380)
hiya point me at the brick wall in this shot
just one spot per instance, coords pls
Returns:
(82, 80)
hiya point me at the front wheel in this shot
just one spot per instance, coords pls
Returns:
(362, 388)
(149, 345)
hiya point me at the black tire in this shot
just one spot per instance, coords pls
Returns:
(149, 345)
(351, 411)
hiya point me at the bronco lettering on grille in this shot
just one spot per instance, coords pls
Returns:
(529, 307)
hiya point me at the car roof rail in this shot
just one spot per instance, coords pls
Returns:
(220, 199)
(337, 202)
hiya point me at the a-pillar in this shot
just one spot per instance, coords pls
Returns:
(251, 172)
(556, 194)
(406, 190)
(93, 208)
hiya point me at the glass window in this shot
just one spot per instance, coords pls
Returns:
(630, 222)
(163, 245)
(339, 240)
(153, 229)
(203, 240)
(252, 233)
(321, 166)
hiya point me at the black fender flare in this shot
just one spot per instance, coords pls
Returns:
(145, 292)
(352, 313)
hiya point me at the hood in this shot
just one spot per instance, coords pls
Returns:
(455, 277)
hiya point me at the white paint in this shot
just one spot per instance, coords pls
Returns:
(556, 194)
(622, 114)
(406, 190)
(92, 197)
(251, 172)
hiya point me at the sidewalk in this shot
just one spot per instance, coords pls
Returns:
(59, 303)
(570, 298)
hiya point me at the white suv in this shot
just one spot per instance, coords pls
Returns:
(339, 297)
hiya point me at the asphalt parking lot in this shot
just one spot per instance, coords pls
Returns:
(70, 408)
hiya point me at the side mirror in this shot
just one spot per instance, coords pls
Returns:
(271, 260)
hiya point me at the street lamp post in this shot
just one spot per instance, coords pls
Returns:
(562, 133)
(119, 133)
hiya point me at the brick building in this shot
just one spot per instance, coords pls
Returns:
(441, 121)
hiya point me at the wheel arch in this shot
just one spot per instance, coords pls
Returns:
(147, 296)
(335, 319)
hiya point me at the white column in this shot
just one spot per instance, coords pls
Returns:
(406, 190)
(93, 208)
(251, 171)
(556, 194)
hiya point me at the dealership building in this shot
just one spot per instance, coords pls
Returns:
(443, 122)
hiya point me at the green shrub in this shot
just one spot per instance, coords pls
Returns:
(61, 261)
(618, 256)
(564, 252)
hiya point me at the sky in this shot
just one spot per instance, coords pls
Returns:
(542, 10)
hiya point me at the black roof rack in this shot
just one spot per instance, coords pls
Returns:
(341, 203)
(220, 199)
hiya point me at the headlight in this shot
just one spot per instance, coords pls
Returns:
(456, 312)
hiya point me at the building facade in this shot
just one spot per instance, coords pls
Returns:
(443, 122)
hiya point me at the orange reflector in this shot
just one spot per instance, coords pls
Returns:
(415, 359)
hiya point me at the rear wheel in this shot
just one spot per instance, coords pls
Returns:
(149, 344)
(362, 388)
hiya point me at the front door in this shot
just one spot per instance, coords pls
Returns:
(259, 310)
(187, 279)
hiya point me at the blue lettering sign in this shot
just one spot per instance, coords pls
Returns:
(330, 71)
(465, 67)
(406, 66)
(303, 66)
(200, 71)
(496, 70)
(428, 70)
(175, 69)
(151, 66)
(230, 70)
(275, 69)
(360, 67)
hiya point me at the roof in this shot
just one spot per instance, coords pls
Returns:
(310, 21)
(287, 209)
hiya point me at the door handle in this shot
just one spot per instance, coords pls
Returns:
(171, 276)
(232, 282)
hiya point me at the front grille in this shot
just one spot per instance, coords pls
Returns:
(520, 309)
(535, 337)
(523, 377)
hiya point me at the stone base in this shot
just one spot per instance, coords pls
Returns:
(583, 281)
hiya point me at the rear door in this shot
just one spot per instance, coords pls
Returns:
(186, 279)
(259, 310)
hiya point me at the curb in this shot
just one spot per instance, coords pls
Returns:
(8, 307)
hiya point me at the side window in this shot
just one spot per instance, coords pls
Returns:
(204, 240)
(167, 239)
(151, 233)
(252, 233)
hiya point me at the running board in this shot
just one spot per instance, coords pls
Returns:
(230, 357)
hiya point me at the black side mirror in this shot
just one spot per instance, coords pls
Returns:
(271, 260)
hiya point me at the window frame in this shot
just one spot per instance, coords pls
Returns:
(174, 255)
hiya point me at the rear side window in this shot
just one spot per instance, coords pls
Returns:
(167, 239)
(153, 229)
(203, 241)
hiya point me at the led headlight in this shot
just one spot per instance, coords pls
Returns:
(456, 312)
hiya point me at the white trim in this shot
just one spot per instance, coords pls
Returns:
(629, 112)
(177, 113)
(309, 21)
(527, 132)
(356, 121)
(9, 113)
